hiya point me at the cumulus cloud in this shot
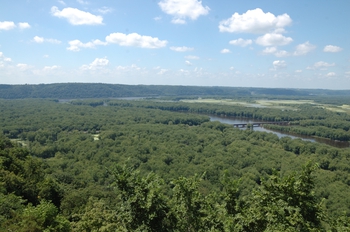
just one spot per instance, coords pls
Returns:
(50, 68)
(7, 25)
(321, 65)
(83, 2)
(275, 51)
(135, 40)
(272, 39)
(4, 58)
(38, 39)
(270, 50)
(188, 63)
(332, 48)
(76, 45)
(279, 64)
(105, 10)
(132, 39)
(76, 16)
(183, 9)
(162, 71)
(331, 74)
(254, 21)
(241, 42)
(225, 50)
(24, 25)
(23, 67)
(181, 49)
(303, 49)
(192, 57)
(98, 63)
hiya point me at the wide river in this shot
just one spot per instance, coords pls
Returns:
(231, 121)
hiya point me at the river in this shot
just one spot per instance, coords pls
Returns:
(232, 120)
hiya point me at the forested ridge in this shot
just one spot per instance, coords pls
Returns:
(99, 90)
(112, 165)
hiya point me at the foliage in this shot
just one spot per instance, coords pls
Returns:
(61, 167)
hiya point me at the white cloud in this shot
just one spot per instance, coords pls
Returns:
(275, 51)
(303, 49)
(272, 39)
(24, 25)
(83, 2)
(270, 50)
(50, 68)
(331, 74)
(254, 21)
(181, 49)
(282, 53)
(241, 42)
(61, 2)
(178, 21)
(321, 65)
(188, 63)
(98, 63)
(136, 40)
(162, 71)
(157, 18)
(38, 39)
(77, 17)
(278, 64)
(225, 50)
(332, 48)
(75, 45)
(7, 25)
(298, 71)
(192, 57)
(182, 9)
(46, 56)
(105, 10)
(232, 68)
(23, 67)
(4, 58)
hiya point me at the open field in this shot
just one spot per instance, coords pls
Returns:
(277, 104)
(23, 143)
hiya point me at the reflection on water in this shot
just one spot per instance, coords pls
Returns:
(232, 120)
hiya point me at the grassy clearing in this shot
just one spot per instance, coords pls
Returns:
(284, 102)
(23, 143)
(96, 137)
(276, 104)
(280, 104)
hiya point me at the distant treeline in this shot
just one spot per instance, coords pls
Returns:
(98, 90)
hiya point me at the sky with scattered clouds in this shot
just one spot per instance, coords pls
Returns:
(254, 43)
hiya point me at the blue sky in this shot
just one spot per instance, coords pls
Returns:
(253, 43)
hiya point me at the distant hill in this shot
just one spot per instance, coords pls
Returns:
(98, 90)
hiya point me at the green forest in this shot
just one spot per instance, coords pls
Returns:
(100, 90)
(162, 165)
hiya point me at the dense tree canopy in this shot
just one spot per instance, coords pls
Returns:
(113, 165)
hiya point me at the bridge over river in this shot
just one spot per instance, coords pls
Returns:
(259, 124)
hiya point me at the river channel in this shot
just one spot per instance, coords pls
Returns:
(232, 120)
